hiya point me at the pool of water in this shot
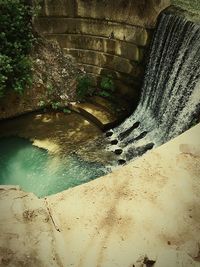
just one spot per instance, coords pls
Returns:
(37, 171)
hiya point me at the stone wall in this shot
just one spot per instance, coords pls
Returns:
(105, 37)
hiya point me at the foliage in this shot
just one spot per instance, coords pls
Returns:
(56, 105)
(16, 40)
(84, 87)
(50, 88)
(41, 104)
(66, 110)
(107, 86)
(59, 106)
(193, 6)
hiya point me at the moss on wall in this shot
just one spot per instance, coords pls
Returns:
(190, 5)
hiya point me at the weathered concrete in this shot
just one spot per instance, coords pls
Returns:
(84, 26)
(148, 208)
(28, 236)
(107, 61)
(139, 12)
(144, 214)
(106, 34)
(119, 48)
(101, 116)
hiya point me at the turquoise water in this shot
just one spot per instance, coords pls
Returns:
(34, 170)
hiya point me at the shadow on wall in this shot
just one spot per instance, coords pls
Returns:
(105, 37)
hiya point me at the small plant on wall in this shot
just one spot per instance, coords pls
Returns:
(84, 87)
(107, 86)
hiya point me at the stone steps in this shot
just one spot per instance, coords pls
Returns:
(98, 110)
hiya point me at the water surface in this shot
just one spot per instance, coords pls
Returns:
(37, 171)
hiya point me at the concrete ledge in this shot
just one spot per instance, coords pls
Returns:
(105, 45)
(106, 61)
(99, 115)
(138, 12)
(86, 26)
(145, 212)
(143, 13)
(123, 77)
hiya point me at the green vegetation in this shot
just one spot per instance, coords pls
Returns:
(50, 89)
(107, 86)
(59, 106)
(66, 111)
(55, 105)
(16, 40)
(41, 104)
(84, 87)
(190, 5)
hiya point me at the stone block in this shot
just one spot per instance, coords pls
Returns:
(88, 42)
(58, 8)
(125, 78)
(139, 12)
(105, 61)
(85, 26)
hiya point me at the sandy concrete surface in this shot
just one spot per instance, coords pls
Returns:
(144, 214)
(147, 209)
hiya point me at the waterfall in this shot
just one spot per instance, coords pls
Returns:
(170, 98)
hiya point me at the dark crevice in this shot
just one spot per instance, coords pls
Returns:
(118, 151)
(121, 161)
(108, 134)
(134, 152)
(114, 142)
(129, 130)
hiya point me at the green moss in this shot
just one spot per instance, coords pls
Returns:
(190, 5)
(84, 87)
(107, 86)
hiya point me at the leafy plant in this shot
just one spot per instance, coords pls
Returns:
(107, 86)
(107, 83)
(16, 40)
(66, 110)
(56, 105)
(41, 103)
(84, 87)
(50, 88)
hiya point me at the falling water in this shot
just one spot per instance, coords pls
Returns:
(170, 97)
